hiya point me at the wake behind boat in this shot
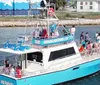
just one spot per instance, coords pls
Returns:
(45, 59)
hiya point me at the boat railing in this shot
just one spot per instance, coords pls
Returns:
(52, 41)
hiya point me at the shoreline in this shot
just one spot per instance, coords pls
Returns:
(41, 23)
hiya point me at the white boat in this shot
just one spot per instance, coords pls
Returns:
(47, 61)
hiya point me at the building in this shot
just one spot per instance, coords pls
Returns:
(18, 7)
(88, 5)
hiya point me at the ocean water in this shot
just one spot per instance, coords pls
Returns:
(11, 34)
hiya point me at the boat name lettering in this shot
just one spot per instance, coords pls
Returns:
(37, 41)
(55, 40)
(6, 83)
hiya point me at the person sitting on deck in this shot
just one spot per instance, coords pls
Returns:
(12, 71)
(6, 67)
(83, 42)
(81, 37)
(18, 71)
(82, 47)
(95, 47)
(89, 48)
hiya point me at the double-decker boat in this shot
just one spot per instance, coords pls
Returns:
(45, 61)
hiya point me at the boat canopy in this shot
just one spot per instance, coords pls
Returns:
(18, 51)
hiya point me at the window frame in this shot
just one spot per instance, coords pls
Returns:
(59, 54)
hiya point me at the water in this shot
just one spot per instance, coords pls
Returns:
(11, 34)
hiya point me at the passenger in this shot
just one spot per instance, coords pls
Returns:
(72, 30)
(82, 48)
(87, 38)
(98, 38)
(96, 34)
(89, 48)
(6, 67)
(82, 37)
(6, 70)
(56, 33)
(95, 47)
(12, 71)
(41, 34)
(18, 73)
(45, 34)
(83, 42)
(6, 63)
(36, 33)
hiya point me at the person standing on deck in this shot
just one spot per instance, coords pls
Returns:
(72, 30)
(98, 38)
(87, 38)
(96, 34)
(82, 37)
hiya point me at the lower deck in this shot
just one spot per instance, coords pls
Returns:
(35, 68)
(64, 65)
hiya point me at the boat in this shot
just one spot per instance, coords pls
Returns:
(46, 61)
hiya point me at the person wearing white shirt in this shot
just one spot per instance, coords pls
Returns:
(72, 30)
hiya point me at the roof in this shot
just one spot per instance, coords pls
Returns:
(18, 52)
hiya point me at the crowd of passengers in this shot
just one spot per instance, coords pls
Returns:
(87, 46)
(11, 70)
(43, 33)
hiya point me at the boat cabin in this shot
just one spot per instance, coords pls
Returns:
(34, 60)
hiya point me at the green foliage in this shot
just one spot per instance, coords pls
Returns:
(60, 3)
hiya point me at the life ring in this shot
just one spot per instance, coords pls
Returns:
(51, 11)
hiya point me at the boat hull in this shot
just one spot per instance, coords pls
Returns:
(55, 77)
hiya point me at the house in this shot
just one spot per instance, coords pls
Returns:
(88, 5)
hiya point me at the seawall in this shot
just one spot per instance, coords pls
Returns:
(59, 22)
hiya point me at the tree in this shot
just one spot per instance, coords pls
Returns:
(60, 3)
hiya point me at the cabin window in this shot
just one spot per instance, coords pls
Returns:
(86, 3)
(91, 3)
(37, 56)
(62, 53)
(81, 7)
(91, 7)
(81, 3)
